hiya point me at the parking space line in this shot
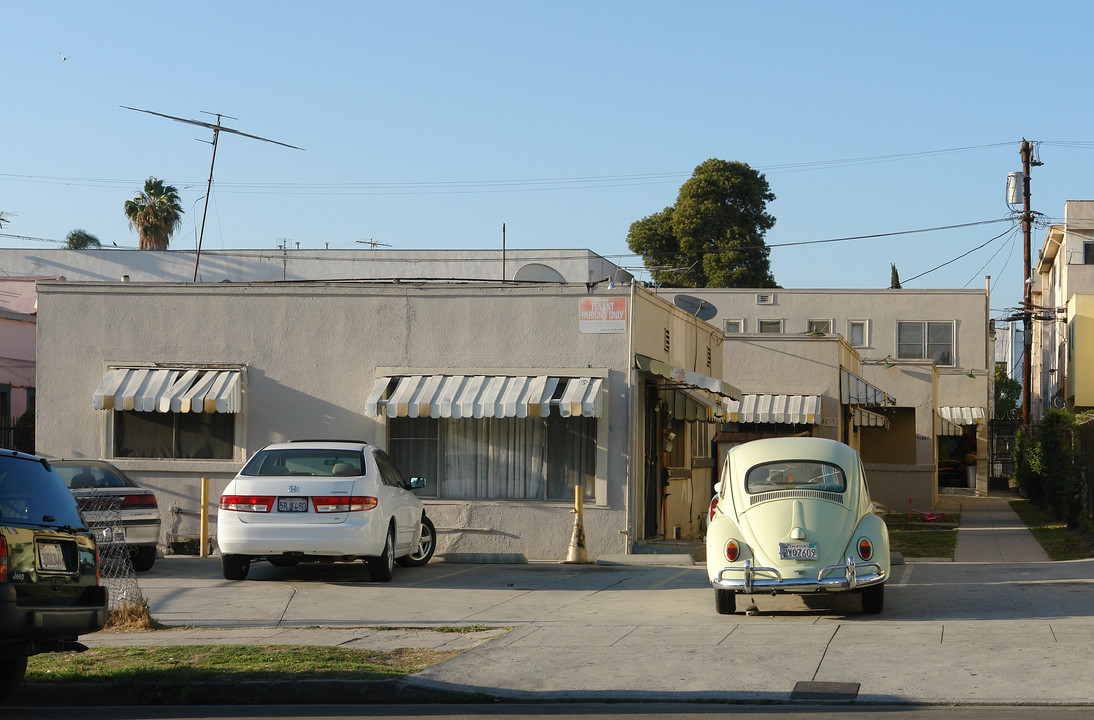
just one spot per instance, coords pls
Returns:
(670, 578)
(442, 577)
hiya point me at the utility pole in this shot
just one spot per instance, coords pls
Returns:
(1027, 297)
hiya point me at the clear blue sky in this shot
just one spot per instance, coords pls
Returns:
(429, 124)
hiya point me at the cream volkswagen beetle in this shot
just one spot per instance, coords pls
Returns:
(793, 515)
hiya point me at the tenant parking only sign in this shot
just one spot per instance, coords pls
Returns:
(602, 315)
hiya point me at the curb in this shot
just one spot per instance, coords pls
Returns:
(257, 692)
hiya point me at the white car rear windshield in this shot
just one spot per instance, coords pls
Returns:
(314, 462)
(795, 475)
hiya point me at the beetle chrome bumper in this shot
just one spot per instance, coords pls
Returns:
(832, 577)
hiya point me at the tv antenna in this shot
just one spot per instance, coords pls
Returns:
(217, 128)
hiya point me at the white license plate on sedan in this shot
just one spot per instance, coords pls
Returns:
(292, 504)
(798, 551)
(50, 556)
(110, 535)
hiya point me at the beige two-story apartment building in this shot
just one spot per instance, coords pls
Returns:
(929, 352)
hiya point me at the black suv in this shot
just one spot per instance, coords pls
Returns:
(49, 567)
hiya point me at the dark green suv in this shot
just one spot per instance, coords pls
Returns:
(49, 567)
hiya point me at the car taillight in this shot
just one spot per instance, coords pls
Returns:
(733, 550)
(3, 559)
(246, 503)
(713, 504)
(140, 501)
(339, 504)
(865, 548)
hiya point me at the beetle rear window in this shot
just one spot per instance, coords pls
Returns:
(795, 475)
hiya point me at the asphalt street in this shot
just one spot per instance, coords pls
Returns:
(999, 625)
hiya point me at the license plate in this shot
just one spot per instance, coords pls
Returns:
(291, 504)
(798, 551)
(110, 535)
(50, 556)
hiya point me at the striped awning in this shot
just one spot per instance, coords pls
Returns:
(945, 427)
(686, 377)
(867, 418)
(785, 409)
(962, 415)
(856, 391)
(690, 405)
(180, 390)
(484, 396)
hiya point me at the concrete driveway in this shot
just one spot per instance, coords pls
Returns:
(974, 631)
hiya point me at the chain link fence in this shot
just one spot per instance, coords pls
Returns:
(102, 512)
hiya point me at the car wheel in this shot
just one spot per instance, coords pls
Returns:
(725, 601)
(380, 569)
(144, 557)
(873, 599)
(428, 544)
(12, 671)
(235, 567)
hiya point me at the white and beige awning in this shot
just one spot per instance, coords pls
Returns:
(686, 377)
(945, 427)
(784, 409)
(861, 417)
(179, 389)
(484, 396)
(856, 391)
(962, 415)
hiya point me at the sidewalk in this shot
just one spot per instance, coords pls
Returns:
(990, 531)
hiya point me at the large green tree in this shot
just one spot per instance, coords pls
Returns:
(714, 235)
(155, 214)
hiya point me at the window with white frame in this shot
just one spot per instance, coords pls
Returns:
(497, 458)
(819, 326)
(733, 326)
(771, 326)
(174, 435)
(856, 333)
(931, 339)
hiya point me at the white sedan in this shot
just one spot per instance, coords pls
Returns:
(793, 515)
(323, 501)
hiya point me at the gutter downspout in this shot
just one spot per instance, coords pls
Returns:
(630, 498)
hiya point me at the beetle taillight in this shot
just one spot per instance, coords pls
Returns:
(4, 559)
(713, 504)
(733, 550)
(865, 548)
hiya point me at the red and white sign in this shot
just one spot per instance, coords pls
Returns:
(602, 315)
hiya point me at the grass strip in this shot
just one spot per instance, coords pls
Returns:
(175, 664)
(1059, 541)
(913, 537)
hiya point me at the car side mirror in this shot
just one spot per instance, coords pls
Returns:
(417, 483)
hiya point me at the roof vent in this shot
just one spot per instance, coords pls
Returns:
(765, 298)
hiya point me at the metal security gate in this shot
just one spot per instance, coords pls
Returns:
(1001, 433)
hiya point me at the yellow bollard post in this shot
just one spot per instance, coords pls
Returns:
(204, 550)
(577, 553)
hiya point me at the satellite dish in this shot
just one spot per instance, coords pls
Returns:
(1059, 402)
(695, 306)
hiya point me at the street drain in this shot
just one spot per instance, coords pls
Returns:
(808, 690)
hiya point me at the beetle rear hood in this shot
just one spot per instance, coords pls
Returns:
(791, 519)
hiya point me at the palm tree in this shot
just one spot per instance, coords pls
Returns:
(155, 213)
(80, 239)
